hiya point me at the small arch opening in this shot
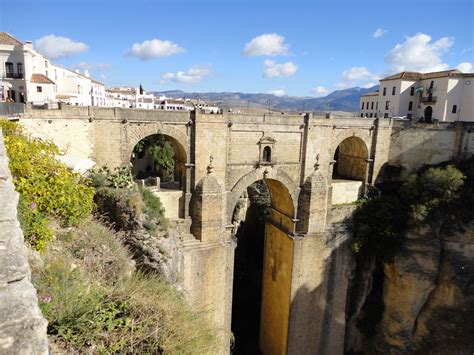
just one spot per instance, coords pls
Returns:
(428, 114)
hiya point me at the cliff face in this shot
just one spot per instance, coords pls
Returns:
(428, 292)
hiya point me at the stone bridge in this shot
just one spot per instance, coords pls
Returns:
(312, 166)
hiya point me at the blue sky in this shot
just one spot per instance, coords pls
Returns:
(299, 48)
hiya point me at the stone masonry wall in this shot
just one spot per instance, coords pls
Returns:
(22, 326)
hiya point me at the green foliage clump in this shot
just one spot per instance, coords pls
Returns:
(382, 219)
(95, 303)
(118, 178)
(160, 149)
(44, 182)
(154, 208)
(34, 224)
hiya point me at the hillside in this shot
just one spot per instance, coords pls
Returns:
(341, 100)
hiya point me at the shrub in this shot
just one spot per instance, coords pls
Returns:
(41, 179)
(119, 178)
(34, 224)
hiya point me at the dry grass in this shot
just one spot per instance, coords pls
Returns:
(96, 303)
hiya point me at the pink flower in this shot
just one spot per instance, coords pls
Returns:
(32, 206)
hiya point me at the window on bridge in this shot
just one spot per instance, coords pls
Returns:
(267, 154)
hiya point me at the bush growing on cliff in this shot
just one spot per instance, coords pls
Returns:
(381, 220)
(44, 182)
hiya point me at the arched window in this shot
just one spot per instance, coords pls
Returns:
(267, 154)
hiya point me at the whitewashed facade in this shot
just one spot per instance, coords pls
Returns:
(445, 96)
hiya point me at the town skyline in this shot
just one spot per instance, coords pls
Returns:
(268, 47)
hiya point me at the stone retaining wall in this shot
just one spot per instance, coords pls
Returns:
(22, 326)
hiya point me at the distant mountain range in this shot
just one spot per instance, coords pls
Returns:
(341, 100)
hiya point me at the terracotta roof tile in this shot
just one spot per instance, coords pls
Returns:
(6, 38)
(374, 93)
(41, 79)
(420, 76)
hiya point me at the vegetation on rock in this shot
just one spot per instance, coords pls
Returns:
(47, 188)
(383, 217)
(160, 149)
(96, 303)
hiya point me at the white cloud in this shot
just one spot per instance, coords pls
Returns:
(357, 76)
(465, 67)
(418, 53)
(320, 90)
(270, 44)
(92, 66)
(278, 92)
(193, 75)
(56, 47)
(274, 70)
(152, 49)
(379, 32)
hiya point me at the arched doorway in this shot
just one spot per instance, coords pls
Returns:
(350, 170)
(263, 220)
(428, 114)
(161, 156)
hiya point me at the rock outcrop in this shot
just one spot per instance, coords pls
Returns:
(22, 326)
(429, 293)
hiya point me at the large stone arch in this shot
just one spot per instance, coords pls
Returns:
(258, 174)
(135, 132)
(363, 135)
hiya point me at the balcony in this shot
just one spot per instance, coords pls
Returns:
(14, 75)
(427, 100)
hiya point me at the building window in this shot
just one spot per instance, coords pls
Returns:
(45, 63)
(9, 70)
(410, 106)
(455, 109)
(361, 115)
(387, 104)
(19, 69)
(409, 116)
(39, 89)
(267, 154)
(47, 73)
(384, 91)
(375, 115)
(393, 90)
(385, 115)
(363, 105)
(372, 106)
(371, 115)
(412, 91)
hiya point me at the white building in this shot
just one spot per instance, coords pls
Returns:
(98, 94)
(122, 96)
(444, 96)
(28, 76)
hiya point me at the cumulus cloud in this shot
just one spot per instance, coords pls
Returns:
(320, 90)
(273, 69)
(278, 92)
(56, 47)
(270, 44)
(83, 66)
(193, 75)
(418, 53)
(357, 76)
(154, 48)
(379, 32)
(465, 67)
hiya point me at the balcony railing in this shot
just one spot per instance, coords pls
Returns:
(428, 99)
(14, 75)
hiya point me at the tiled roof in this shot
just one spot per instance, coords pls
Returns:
(407, 75)
(41, 79)
(6, 38)
(374, 93)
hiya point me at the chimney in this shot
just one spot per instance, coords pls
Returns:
(29, 44)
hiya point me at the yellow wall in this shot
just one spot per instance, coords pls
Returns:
(277, 269)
